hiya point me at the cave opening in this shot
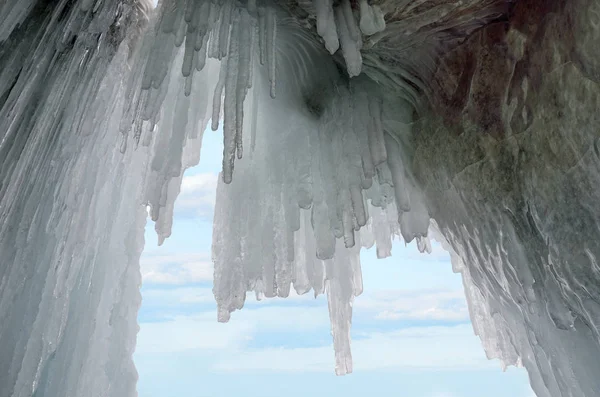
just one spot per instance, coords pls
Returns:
(410, 327)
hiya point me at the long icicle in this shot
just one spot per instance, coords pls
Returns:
(271, 48)
(230, 101)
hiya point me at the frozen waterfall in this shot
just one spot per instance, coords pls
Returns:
(346, 124)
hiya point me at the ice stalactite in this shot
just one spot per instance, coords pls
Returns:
(326, 24)
(306, 213)
(288, 210)
(372, 19)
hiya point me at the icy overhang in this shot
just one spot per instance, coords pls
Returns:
(472, 122)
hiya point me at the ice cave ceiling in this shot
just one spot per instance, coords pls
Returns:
(345, 123)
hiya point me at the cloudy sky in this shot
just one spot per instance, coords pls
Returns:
(411, 332)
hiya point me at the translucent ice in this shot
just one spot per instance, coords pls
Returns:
(473, 113)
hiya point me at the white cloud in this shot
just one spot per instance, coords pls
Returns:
(176, 269)
(433, 347)
(199, 182)
(429, 348)
(198, 194)
(425, 348)
(201, 331)
(188, 333)
(176, 297)
(438, 305)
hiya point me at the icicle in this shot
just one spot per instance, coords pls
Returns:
(304, 185)
(181, 30)
(271, 25)
(213, 48)
(218, 95)
(371, 18)
(139, 119)
(188, 84)
(246, 29)
(262, 34)
(340, 295)
(255, 115)
(226, 25)
(350, 21)
(156, 100)
(201, 55)
(347, 219)
(350, 46)
(301, 260)
(375, 129)
(190, 8)
(190, 53)
(230, 102)
(358, 205)
(200, 12)
(323, 233)
(326, 27)
(396, 167)
(422, 243)
(204, 13)
(361, 123)
(170, 14)
(414, 223)
(253, 34)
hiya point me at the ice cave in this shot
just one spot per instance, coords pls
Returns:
(474, 123)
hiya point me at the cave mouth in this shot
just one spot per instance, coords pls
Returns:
(410, 327)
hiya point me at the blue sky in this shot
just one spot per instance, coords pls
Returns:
(411, 332)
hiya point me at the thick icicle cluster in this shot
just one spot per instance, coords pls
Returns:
(205, 30)
(290, 211)
(72, 201)
(341, 26)
(70, 232)
(300, 217)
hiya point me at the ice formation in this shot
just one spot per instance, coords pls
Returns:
(345, 124)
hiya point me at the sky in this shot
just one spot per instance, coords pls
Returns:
(411, 334)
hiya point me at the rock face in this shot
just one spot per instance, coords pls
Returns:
(508, 160)
(472, 121)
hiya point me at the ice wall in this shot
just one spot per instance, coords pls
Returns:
(72, 199)
(69, 272)
(346, 124)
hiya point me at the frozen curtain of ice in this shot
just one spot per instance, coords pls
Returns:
(345, 124)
